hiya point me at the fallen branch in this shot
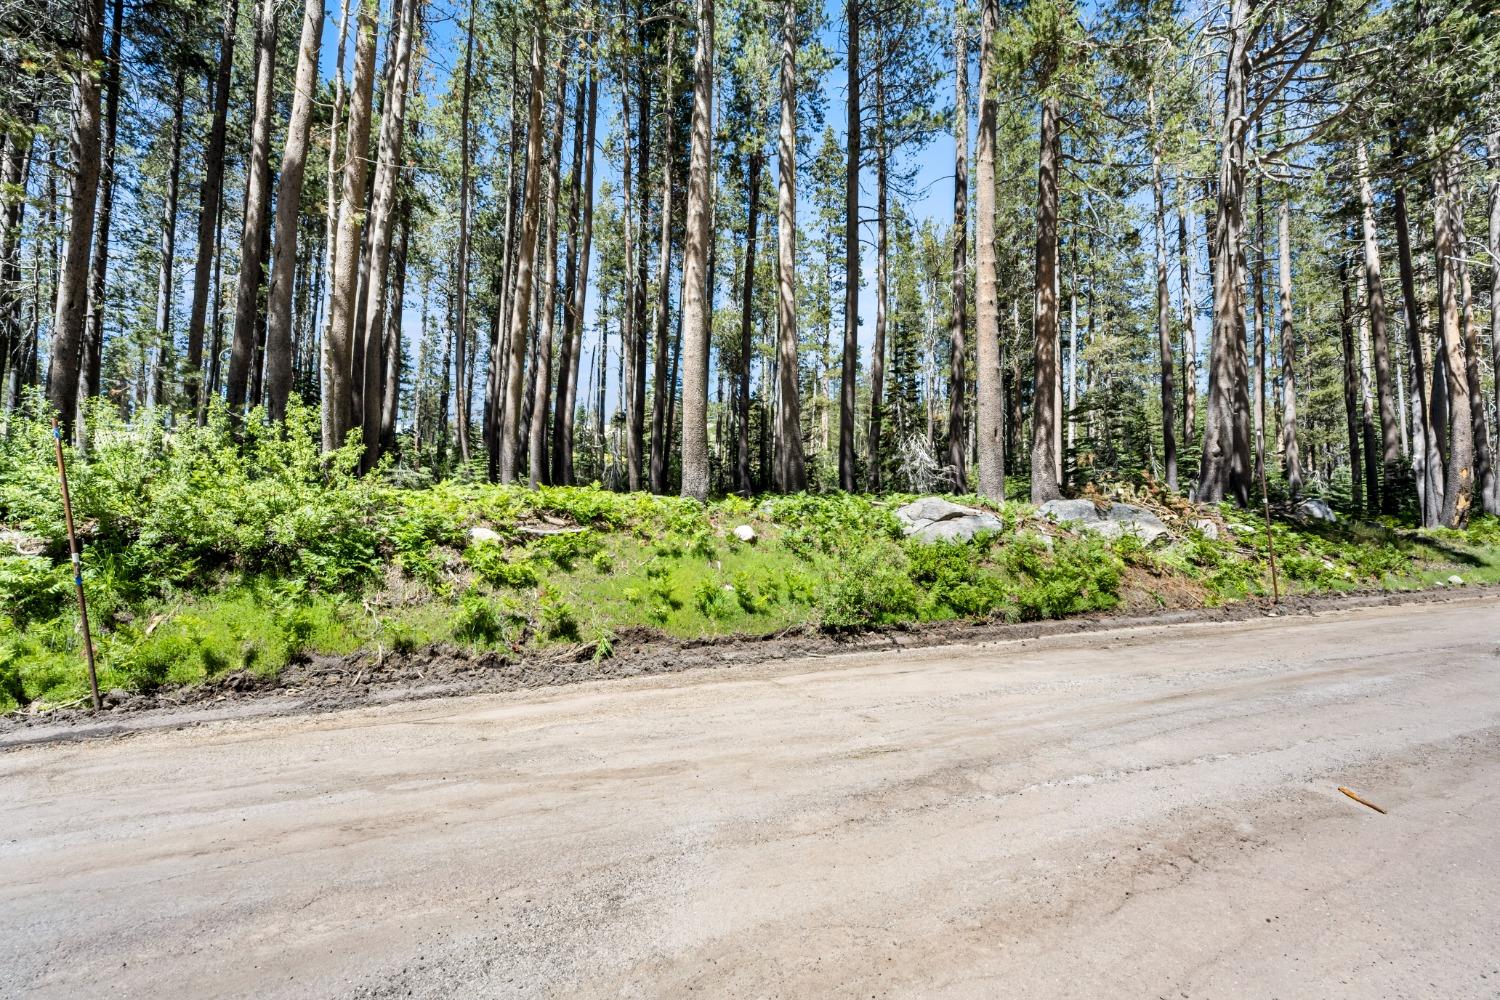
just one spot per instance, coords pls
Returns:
(1361, 801)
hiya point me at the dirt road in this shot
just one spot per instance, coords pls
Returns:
(1141, 813)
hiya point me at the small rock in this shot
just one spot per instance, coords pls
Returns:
(745, 533)
(482, 534)
(1116, 520)
(115, 697)
(21, 543)
(1208, 528)
(1315, 509)
(1456, 580)
(933, 519)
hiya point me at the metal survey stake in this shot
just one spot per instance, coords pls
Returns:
(83, 606)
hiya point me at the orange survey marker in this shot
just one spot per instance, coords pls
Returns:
(1363, 802)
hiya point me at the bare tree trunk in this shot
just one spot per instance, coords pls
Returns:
(520, 314)
(567, 396)
(92, 349)
(791, 475)
(1163, 306)
(1044, 479)
(1351, 399)
(747, 300)
(1459, 480)
(1492, 497)
(1224, 470)
(850, 368)
(882, 268)
(1426, 465)
(1484, 475)
(1289, 452)
(257, 196)
(72, 279)
(989, 415)
(209, 207)
(635, 364)
(1259, 331)
(695, 305)
(538, 469)
(390, 395)
(626, 397)
(288, 205)
(14, 179)
(1189, 332)
(338, 372)
(661, 390)
(161, 343)
(383, 212)
(960, 289)
(1389, 432)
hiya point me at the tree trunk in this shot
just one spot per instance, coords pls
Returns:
(1426, 465)
(538, 469)
(1225, 470)
(1459, 480)
(161, 338)
(1289, 452)
(850, 368)
(72, 279)
(989, 402)
(382, 222)
(625, 398)
(14, 179)
(90, 367)
(1189, 332)
(1044, 416)
(635, 366)
(257, 199)
(882, 267)
(567, 396)
(791, 475)
(696, 311)
(661, 390)
(747, 301)
(1492, 496)
(1163, 307)
(390, 394)
(960, 289)
(520, 313)
(209, 207)
(1483, 455)
(1389, 431)
(1351, 397)
(288, 207)
(338, 372)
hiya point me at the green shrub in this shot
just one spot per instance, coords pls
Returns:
(477, 620)
(874, 590)
(556, 617)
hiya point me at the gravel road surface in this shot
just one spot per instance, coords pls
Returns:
(1151, 812)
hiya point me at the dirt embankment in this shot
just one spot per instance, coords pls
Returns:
(374, 676)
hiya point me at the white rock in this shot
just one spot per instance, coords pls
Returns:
(1316, 509)
(933, 519)
(482, 534)
(745, 533)
(1116, 520)
(1207, 527)
(1456, 580)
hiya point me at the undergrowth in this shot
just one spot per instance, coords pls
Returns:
(204, 556)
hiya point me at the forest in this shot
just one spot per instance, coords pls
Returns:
(518, 325)
(705, 247)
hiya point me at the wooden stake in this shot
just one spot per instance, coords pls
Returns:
(83, 607)
(1363, 802)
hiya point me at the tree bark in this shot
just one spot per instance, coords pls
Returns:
(383, 210)
(1044, 479)
(850, 368)
(1351, 390)
(1224, 469)
(882, 266)
(390, 394)
(1426, 465)
(539, 472)
(92, 349)
(958, 325)
(72, 279)
(989, 402)
(520, 314)
(14, 179)
(338, 372)
(791, 475)
(695, 305)
(161, 339)
(635, 361)
(1492, 496)
(1189, 332)
(288, 206)
(209, 207)
(1163, 307)
(660, 388)
(742, 481)
(257, 197)
(1290, 454)
(1390, 434)
(567, 396)
(1459, 478)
